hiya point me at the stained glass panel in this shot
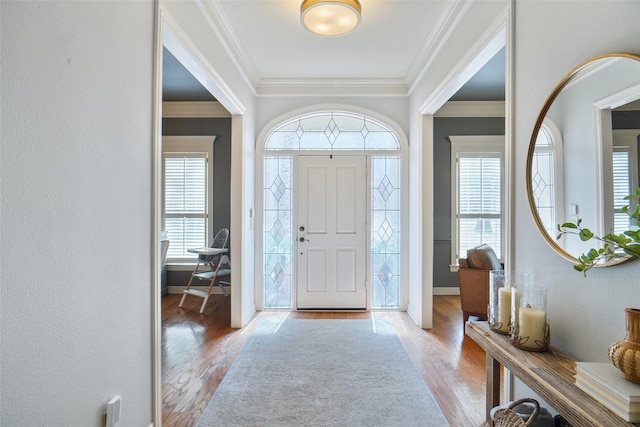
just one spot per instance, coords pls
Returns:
(277, 234)
(543, 179)
(332, 131)
(385, 232)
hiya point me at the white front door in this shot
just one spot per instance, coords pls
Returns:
(331, 236)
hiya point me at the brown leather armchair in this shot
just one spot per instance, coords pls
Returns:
(473, 279)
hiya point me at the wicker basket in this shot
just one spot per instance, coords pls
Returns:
(506, 417)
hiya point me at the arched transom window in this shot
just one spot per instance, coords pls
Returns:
(332, 131)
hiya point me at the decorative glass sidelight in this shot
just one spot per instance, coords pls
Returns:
(278, 226)
(385, 232)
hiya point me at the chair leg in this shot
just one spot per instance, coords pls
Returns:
(184, 295)
(206, 298)
(213, 280)
(221, 283)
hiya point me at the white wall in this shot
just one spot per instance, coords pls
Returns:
(552, 37)
(76, 246)
(581, 149)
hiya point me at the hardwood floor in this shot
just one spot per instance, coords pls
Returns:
(198, 349)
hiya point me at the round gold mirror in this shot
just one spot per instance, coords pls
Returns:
(583, 155)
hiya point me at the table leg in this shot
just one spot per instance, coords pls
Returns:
(493, 386)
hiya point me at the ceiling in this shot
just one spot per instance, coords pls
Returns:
(391, 46)
(178, 84)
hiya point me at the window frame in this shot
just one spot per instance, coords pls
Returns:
(627, 140)
(466, 144)
(289, 135)
(556, 150)
(263, 150)
(190, 146)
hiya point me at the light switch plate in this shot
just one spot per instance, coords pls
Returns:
(113, 411)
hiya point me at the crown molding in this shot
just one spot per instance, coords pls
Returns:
(445, 26)
(221, 26)
(218, 21)
(176, 40)
(194, 109)
(491, 41)
(332, 87)
(472, 109)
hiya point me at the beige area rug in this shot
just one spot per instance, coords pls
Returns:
(323, 373)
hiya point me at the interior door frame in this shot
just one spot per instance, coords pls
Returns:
(367, 208)
(402, 152)
(168, 33)
(369, 154)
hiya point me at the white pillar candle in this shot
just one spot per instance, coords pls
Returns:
(504, 308)
(532, 323)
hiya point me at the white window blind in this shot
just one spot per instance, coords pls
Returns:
(185, 201)
(621, 187)
(479, 201)
(476, 194)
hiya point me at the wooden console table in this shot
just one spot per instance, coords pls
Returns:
(550, 374)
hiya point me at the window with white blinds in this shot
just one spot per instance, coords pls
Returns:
(621, 188)
(625, 176)
(185, 198)
(477, 182)
(186, 195)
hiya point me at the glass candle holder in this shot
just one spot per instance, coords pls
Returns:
(529, 325)
(501, 285)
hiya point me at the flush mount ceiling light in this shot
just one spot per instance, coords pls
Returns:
(330, 18)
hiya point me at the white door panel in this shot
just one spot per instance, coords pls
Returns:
(346, 264)
(346, 203)
(316, 212)
(331, 195)
(317, 270)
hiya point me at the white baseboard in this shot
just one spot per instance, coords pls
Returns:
(448, 290)
(179, 289)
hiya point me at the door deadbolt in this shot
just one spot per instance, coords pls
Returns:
(302, 228)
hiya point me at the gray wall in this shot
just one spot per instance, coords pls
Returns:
(627, 120)
(443, 127)
(221, 171)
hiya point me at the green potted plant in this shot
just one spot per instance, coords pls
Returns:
(615, 245)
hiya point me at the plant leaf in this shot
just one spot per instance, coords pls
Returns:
(633, 250)
(569, 225)
(585, 234)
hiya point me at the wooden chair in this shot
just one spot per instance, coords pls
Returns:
(473, 279)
